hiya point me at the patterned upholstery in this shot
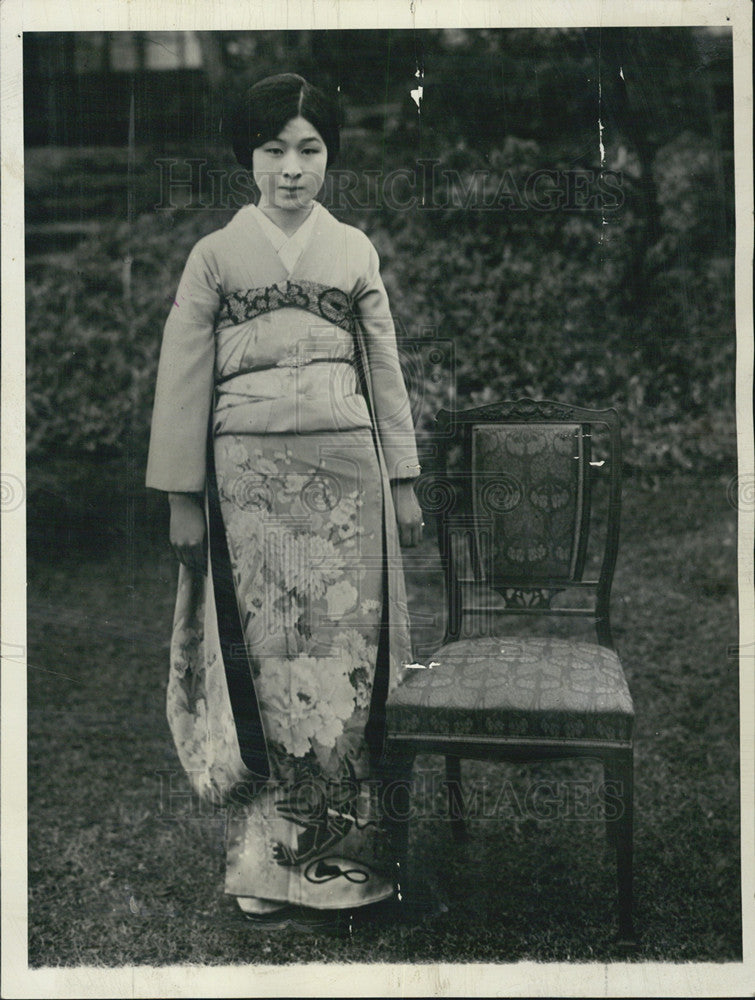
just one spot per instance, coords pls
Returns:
(532, 687)
(528, 499)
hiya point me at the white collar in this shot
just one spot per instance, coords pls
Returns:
(288, 248)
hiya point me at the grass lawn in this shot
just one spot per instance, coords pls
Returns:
(126, 868)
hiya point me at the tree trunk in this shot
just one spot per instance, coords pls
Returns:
(213, 59)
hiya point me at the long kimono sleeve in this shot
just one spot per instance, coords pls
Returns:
(389, 398)
(183, 396)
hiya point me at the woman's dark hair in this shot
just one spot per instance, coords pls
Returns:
(264, 109)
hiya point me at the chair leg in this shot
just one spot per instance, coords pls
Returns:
(455, 800)
(621, 770)
(396, 812)
(611, 788)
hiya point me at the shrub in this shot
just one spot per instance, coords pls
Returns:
(538, 303)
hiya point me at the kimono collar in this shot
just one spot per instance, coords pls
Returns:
(288, 248)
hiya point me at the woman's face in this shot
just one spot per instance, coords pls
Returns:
(289, 170)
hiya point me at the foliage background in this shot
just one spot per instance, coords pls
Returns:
(626, 304)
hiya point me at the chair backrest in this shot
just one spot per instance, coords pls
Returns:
(518, 509)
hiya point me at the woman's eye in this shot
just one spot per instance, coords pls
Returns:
(311, 152)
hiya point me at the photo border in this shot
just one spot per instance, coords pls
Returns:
(563, 979)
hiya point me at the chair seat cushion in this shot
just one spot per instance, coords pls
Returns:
(528, 687)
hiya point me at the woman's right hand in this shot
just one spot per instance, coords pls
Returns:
(187, 531)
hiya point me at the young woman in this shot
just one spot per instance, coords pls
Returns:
(282, 433)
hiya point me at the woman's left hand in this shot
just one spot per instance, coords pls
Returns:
(408, 513)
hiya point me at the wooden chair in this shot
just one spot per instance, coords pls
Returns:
(515, 521)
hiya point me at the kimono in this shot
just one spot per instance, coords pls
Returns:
(280, 399)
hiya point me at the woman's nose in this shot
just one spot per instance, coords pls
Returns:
(291, 166)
